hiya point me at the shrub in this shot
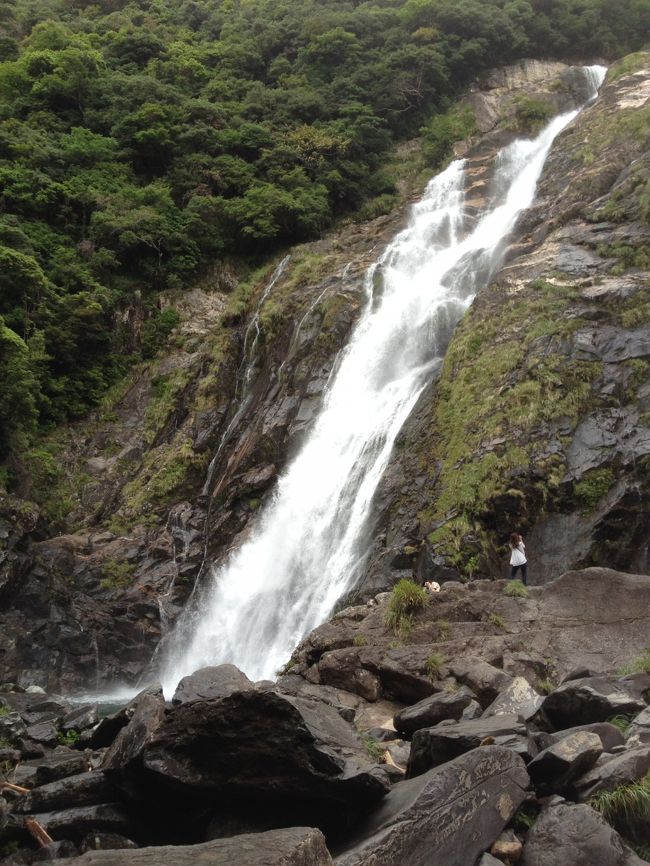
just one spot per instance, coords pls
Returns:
(375, 749)
(433, 665)
(497, 620)
(117, 574)
(515, 589)
(67, 739)
(592, 487)
(407, 598)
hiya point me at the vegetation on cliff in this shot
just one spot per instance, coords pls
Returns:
(139, 142)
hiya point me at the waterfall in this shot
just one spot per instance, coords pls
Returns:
(308, 546)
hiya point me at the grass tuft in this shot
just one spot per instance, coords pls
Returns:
(407, 599)
(433, 665)
(515, 589)
(626, 801)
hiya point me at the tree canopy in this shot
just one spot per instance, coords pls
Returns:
(141, 140)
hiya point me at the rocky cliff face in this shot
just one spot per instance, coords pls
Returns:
(544, 389)
(540, 423)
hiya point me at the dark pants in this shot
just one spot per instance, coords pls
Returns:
(524, 572)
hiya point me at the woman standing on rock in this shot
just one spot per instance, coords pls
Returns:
(518, 557)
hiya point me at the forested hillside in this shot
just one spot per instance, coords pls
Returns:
(141, 141)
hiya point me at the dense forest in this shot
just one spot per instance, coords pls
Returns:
(141, 141)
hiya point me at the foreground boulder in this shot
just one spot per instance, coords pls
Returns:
(449, 815)
(592, 699)
(212, 682)
(251, 744)
(432, 710)
(295, 846)
(575, 836)
(555, 767)
(431, 747)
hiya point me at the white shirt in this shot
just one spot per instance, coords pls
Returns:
(518, 555)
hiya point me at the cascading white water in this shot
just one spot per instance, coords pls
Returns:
(307, 548)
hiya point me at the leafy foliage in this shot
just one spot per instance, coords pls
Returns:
(139, 142)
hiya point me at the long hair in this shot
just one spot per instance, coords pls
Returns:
(515, 539)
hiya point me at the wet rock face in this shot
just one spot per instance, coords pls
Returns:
(570, 303)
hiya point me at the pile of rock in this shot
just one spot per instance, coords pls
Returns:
(467, 765)
(233, 771)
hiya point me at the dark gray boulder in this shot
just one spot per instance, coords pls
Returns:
(211, 682)
(593, 699)
(59, 764)
(630, 766)
(84, 789)
(518, 698)
(80, 719)
(575, 835)
(430, 711)
(610, 736)
(639, 730)
(486, 681)
(556, 767)
(251, 743)
(449, 815)
(76, 823)
(295, 846)
(431, 747)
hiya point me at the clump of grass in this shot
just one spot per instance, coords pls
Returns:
(625, 801)
(497, 621)
(639, 665)
(444, 629)
(515, 589)
(545, 686)
(524, 818)
(374, 749)
(359, 640)
(620, 722)
(407, 599)
(4, 711)
(433, 665)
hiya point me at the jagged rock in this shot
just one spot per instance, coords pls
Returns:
(85, 789)
(12, 728)
(472, 711)
(576, 835)
(295, 846)
(639, 730)
(448, 815)
(556, 767)
(518, 698)
(593, 699)
(127, 749)
(630, 766)
(255, 743)
(486, 681)
(80, 719)
(338, 669)
(76, 823)
(610, 735)
(211, 682)
(44, 732)
(59, 764)
(431, 747)
(430, 711)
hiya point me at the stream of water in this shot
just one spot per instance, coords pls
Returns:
(308, 547)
